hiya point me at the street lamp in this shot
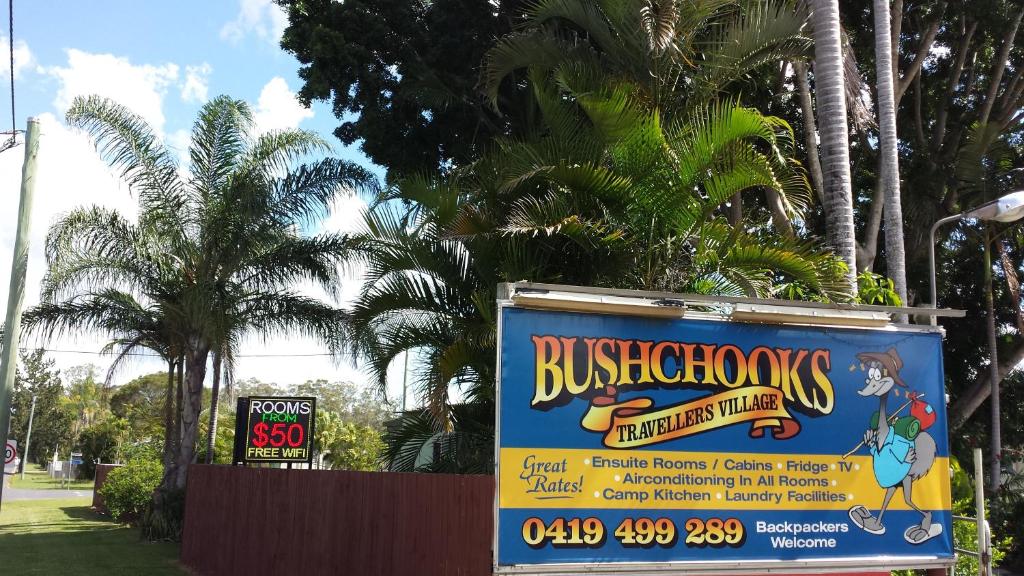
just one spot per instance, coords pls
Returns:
(1006, 209)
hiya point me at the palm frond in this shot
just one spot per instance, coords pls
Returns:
(763, 33)
(130, 145)
(219, 136)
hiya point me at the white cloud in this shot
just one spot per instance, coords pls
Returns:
(261, 18)
(23, 57)
(141, 88)
(346, 216)
(178, 142)
(197, 83)
(278, 108)
(69, 174)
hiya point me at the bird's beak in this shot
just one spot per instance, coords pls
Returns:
(877, 387)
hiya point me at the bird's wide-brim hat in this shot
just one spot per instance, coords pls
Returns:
(890, 361)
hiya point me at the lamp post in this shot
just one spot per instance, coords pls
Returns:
(1005, 209)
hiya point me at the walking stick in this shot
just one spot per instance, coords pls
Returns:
(892, 419)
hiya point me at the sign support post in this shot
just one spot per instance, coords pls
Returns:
(28, 437)
(16, 294)
(984, 554)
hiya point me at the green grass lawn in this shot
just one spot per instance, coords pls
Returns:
(65, 536)
(36, 478)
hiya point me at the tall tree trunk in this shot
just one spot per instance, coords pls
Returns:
(810, 129)
(998, 68)
(830, 92)
(780, 219)
(179, 394)
(734, 214)
(868, 250)
(192, 404)
(163, 520)
(889, 168)
(971, 399)
(169, 430)
(211, 433)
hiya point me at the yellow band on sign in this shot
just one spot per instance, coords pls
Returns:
(633, 423)
(574, 478)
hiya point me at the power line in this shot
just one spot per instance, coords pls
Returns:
(150, 355)
(13, 140)
(10, 41)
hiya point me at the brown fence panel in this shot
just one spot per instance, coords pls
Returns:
(101, 476)
(261, 520)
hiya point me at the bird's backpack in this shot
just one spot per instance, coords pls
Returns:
(906, 426)
(921, 410)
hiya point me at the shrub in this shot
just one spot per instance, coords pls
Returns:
(128, 489)
(101, 441)
(164, 517)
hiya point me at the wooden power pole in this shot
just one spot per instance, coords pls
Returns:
(16, 294)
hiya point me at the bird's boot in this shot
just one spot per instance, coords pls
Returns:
(865, 521)
(924, 531)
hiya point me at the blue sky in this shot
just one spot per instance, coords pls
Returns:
(163, 59)
(231, 44)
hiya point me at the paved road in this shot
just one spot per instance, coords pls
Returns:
(11, 494)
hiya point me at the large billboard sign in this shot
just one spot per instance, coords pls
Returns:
(278, 429)
(699, 444)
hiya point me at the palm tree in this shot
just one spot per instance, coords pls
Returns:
(131, 326)
(672, 52)
(675, 56)
(620, 181)
(895, 255)
(218, 250)
(830, 93)
(603, 192)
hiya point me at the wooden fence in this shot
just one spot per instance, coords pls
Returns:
(101, 476)
(310, 522)
(261, 520)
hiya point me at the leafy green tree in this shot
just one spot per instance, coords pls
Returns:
(402, 76)
(327, 433)
(218, 251)
(147, 329)
(352, 403)
(104, 441)
(621, 182)
(140, 402)
(348, 441)
(53, 420)
(85, 397)
(958, 80)
(132, 325)
(254, 387)
(223, 448)
(358, 447)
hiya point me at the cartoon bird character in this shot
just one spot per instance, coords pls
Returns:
(901, 451)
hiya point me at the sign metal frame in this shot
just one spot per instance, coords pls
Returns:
(610, 301)
(242, 442)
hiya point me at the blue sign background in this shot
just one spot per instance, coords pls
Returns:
(520, 426)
